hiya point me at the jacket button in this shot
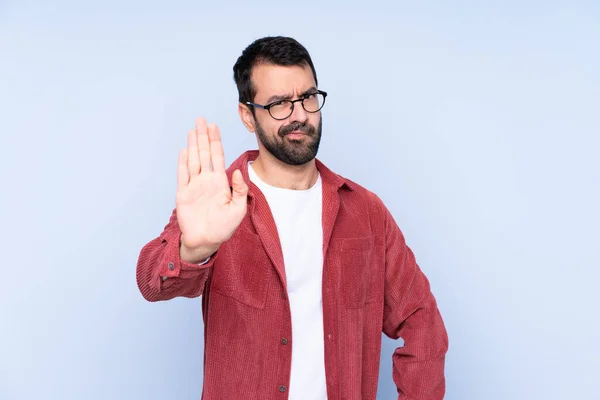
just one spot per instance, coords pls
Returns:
(171, 266)
(284, 341)
(282, 388)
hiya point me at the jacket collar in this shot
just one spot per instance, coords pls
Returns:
(328, 177)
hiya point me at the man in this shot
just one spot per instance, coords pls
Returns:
(300, 269)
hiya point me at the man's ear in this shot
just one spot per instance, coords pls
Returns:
(247, 117)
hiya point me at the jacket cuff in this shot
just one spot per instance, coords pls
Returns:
(172, 266)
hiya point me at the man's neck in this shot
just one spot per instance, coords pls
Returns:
(279, 174)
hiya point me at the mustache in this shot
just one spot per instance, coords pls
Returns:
(297, 127)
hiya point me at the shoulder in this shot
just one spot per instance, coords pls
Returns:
(354, 192)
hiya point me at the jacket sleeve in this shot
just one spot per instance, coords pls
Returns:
(162, 275)
(411, 312)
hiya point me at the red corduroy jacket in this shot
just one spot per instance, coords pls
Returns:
(371, 284)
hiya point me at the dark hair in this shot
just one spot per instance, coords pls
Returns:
(277, 50)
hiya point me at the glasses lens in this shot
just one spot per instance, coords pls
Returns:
(281, 110)
(313, 102)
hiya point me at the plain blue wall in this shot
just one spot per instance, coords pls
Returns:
(476, 122)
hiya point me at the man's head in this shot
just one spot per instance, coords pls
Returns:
(271, 72)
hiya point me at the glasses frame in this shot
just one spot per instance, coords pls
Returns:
(301, 100)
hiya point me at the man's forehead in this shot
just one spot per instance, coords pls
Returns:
(269, 79)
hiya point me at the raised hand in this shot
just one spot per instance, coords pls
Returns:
(208, 212)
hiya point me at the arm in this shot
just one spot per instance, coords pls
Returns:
(162, 274)
(410, 312)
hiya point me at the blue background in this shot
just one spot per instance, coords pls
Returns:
(476, 122)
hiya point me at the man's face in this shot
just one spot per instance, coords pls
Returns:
(294, 140)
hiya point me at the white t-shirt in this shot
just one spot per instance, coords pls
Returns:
(298, 217)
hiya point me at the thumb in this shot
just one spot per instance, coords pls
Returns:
(240, 188)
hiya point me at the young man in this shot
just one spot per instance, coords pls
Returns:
(300, 269)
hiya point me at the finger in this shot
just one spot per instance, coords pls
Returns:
(240, 189)
(193, 160)
(183, 175)
(216, 148)
(203, 145)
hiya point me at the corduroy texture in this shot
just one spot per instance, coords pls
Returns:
(371, 283)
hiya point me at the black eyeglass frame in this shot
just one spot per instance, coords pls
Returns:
(268, 106)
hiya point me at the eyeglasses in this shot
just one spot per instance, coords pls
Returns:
(282, 109)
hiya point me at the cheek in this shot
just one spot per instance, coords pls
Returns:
(274, 126)
(314, 119)
(270, 126)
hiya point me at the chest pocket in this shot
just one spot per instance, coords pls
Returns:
(242, 269)
(357, 270)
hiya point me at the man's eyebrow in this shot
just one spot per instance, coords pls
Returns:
(280, 97)
(312, 90)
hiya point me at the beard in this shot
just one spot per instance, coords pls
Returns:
(292, 151)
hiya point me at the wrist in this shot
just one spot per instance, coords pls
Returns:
(198, 254)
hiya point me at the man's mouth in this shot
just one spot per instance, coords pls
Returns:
(295, 135)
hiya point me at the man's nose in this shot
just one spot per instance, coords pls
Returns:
(299, 114)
